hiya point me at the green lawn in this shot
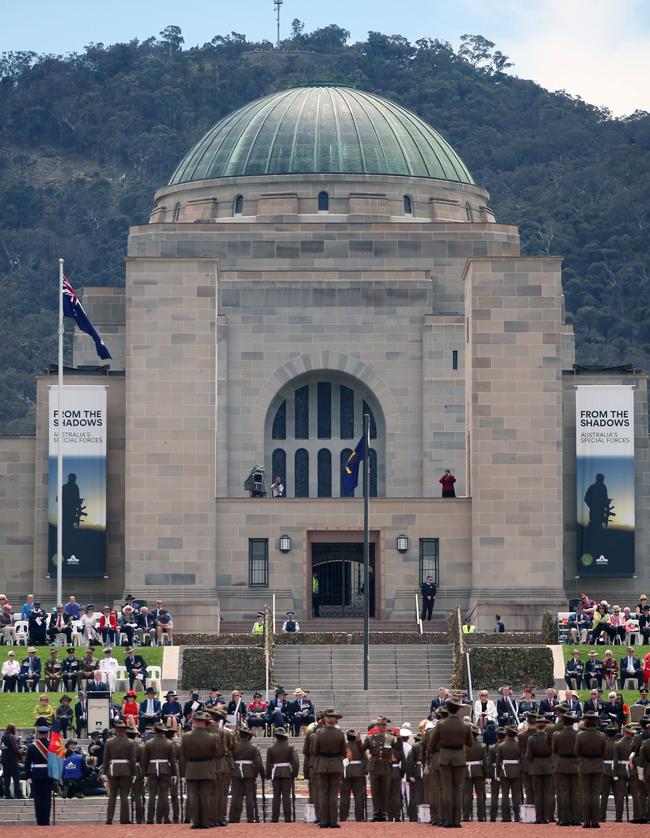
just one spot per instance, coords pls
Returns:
(18, 707)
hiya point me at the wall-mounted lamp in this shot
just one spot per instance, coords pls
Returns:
(402, 543)
(285, 544)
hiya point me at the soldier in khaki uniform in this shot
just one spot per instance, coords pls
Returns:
(565, 770)
(354, 779)
(643, 765)
(508, 765)
(309, 761)
(538, 754)
(199, 751)
(176, 786)
(415, 778)
(495, 777)
(397, 768)
(643, 814)
(526, 780)
(477, 771)
(625, 782)
(120, 768)
(590, 750)
(452, 735)
(608, 784)
(247, 766)
(380, 749)
(330, 749)
(159, 766)
(222, 766)
(137, 786)
(282, 765)
(433, 760)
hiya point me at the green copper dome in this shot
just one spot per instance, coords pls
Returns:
(318, 130)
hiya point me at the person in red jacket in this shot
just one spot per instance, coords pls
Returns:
(447, 480)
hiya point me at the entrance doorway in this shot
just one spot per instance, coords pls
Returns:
(337, 568)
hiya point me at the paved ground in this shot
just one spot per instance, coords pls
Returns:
(351, 830)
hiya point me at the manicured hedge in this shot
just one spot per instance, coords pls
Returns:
(523, 638)
(549, 629)
(226, 668)
(218, 639)
(518, 666)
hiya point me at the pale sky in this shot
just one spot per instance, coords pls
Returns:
(596, 49)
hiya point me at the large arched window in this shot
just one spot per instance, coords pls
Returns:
(345, 456)
(323, 202)
(279, 466)
(318, 418)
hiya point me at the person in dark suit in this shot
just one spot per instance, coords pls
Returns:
(37, 626)
(172, 708)
(135, 666)
(574, 670)
(97, 685)
(548, 704)
(191, 706)
(593, 670)
(30, 672)
(630, 667)
(81, 713)
(594, 703)
(572, 702)
(38, 777)
(506, 708)
(150, 710)
(438, 701)
(278, 709)
(428, 591)
(613, 711)
(301, 711)
(60, 623)
(70, 670)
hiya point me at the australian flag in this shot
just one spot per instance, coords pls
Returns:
(73, 308)
(350, 473)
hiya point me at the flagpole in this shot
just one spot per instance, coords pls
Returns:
(59, 452)
(366, 549)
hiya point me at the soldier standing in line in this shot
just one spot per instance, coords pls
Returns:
(38, 777)
(452, 735)
(330, 749)
(643, 766)
(354, 779)
(608, 784)
(309, 762)
(380, 748)
(158, 766)
(590, 750)
(565, 770)
(199, 751)
(282, 765)
(222, 766)
(120, 769)
(538, 754)
(415, 777)
(477, 771)
(495, 777)
(137, 786)
(397, 767)
(508, 761)
(551, 729)
(526, 780)
(643, 814)
(625, 773)
(176, 786)
(248, 764)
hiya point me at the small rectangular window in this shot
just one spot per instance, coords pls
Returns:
(346, 399)
(324, 394)
(258, 562)
(454, 359)
(430, 559)
(301, 413)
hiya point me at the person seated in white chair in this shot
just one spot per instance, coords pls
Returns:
(109, 666)
(10, 671)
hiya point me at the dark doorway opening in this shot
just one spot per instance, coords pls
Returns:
(337, 579)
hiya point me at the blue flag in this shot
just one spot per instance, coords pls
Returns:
(73, 308)
(350, 473)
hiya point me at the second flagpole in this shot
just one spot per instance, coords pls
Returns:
(366, 549)
(59, 452)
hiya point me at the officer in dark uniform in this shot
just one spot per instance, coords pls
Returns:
(608, 785)
(38, 777)
(565, 770)
(282, 766)
(199, 750)
(354, 779)
(508, 763)
(247, 766)
(452, 735)
(590, 750)
(330, 750)
(538, 754)
(380, 748)
(70, 669)
(477, 771)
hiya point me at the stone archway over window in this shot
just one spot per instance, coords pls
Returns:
(311, 422)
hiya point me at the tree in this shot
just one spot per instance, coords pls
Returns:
(173, 39)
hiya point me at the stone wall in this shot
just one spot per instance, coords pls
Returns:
(17, 456)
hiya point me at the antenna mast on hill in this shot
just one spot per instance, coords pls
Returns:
(277, 7)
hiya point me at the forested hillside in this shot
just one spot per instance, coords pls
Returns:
(86, 139)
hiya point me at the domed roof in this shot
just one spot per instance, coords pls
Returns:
(321, 129)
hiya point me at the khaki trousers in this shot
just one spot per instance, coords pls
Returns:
(121, 786)
(452, 780)
(355, 786)
(158, 788)
(199, 796)
(242, 790)
(510, 790)
(380, 793)
(590, 794)
(329, 785)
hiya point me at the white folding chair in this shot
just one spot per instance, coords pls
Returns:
(627, 681)
(76, 632)
(121, 677)
(21, 627)
(154, 678)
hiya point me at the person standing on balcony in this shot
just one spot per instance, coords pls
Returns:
(428, 591)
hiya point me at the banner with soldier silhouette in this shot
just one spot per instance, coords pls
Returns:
(83, 425)
(605, 480)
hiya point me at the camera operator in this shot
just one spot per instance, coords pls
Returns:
(447, 481)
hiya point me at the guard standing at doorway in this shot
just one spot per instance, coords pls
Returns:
(38, 777)
(315, 595)
(428, 592)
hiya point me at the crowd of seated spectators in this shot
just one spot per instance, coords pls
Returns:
(132, 624)
(601, 624)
